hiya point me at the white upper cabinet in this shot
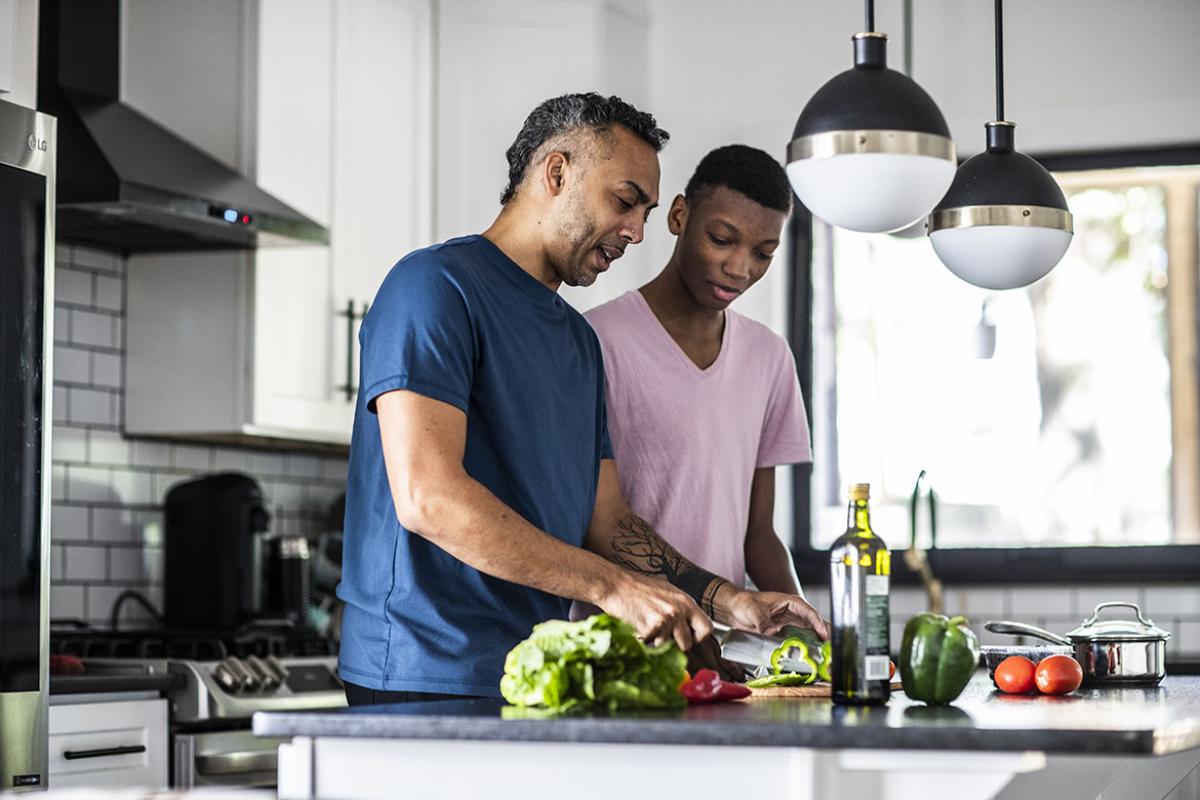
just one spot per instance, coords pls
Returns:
(341, 130)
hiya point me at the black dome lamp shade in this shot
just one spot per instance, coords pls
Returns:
(1004, 223)
(871, 151)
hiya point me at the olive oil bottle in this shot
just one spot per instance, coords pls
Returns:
(860, 565)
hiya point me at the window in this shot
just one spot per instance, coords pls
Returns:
(1062, 415)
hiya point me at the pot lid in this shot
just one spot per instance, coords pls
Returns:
(1118, 630)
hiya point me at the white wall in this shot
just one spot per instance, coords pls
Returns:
(18, 52)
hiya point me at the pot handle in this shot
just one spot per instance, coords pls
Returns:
(1090, 621)
(1021, 629)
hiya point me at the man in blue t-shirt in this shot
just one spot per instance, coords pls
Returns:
(482, 495)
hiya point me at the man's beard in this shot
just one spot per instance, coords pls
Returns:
(578, 231)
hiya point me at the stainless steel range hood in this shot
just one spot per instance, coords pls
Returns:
(125, 181)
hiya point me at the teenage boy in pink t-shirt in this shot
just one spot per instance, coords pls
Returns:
(704, 403)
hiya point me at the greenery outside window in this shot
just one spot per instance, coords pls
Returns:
(1060, 419)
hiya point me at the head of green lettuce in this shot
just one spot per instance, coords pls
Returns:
(594, 664)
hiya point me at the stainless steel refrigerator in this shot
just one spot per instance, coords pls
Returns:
(27, 158)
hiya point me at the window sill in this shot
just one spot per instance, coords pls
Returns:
(1027, 565)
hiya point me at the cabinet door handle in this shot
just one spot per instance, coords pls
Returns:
(101, 752)
(351, 317)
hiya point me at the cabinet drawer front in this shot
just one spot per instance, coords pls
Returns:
(109, 744)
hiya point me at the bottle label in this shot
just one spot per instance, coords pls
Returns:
(877, 668)
(877, 584)
(878, 622)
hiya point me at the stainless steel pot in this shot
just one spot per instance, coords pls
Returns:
(1115, 651)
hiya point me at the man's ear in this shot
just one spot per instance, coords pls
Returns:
(677, 216)
(554, 171)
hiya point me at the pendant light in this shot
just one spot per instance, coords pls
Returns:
(1004, 223)
(871, 152)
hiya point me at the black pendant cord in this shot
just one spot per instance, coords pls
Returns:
(870, 7)
(999, 61)
(908, 37)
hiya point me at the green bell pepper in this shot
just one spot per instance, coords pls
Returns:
(784, 679)
(937, 657)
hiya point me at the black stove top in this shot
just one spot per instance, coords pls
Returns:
(262, 639)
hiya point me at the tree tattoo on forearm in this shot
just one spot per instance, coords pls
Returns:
(637, 547)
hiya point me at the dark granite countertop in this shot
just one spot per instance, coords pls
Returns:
(1157, 720)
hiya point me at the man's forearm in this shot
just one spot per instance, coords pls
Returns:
(470, 523)
(769, 564)
(636, 546)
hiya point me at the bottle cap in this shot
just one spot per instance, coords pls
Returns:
(860, 491)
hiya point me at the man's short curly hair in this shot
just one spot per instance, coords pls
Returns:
(560, 116)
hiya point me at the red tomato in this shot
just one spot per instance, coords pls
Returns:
(1015, 675)
(1058, 675)
(891, 669)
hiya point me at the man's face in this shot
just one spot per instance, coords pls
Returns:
(726, 242)
(603, 207)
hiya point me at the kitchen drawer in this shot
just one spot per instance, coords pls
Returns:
(122, 743)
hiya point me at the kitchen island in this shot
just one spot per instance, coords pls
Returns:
(1127, 743)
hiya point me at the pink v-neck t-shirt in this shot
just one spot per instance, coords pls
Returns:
(688, 440)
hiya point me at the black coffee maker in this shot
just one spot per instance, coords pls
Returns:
(213, 537)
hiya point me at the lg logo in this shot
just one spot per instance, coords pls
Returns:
(34, 143)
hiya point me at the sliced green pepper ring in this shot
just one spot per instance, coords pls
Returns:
(784, 649)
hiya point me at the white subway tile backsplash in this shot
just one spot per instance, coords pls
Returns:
(68, 523)
(99, 260)
(91, 407)
(71, 365)
(133, 487)
(58, 402)
(113, 524)
(62, 325)
(127, 565)
(1187, 637)
(302, 466)
(334, 469)
(68, 444)
(151, 454)
(978, 604)
(108, 293)
(57, 562)
(1088, 597)
(226, 459)
(100, 600)
(92, 329)
(58, 482)
(109, 448)
(71, 286)
(106, 370)
(66, 602)
(90, 484)
(1161, 600)
(85, 562)
(906, 601)
(1039, 600)
(193, 458)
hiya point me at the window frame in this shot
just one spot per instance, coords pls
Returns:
(985, 565)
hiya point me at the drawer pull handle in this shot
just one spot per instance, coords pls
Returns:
(100, 752)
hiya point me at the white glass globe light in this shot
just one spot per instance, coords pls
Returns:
(1000, 256)
(871, 192)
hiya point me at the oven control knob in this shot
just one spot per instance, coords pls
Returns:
(265, 676)
(277, 669)
(226, 679)
(248, 680)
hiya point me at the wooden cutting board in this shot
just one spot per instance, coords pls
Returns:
(812, 690)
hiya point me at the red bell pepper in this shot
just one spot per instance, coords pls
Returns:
(707, 687)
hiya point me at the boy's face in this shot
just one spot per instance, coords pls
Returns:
(726, 242)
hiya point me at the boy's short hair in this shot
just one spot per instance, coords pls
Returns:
(744, 169)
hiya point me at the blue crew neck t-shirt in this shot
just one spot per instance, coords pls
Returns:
(461, 323)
